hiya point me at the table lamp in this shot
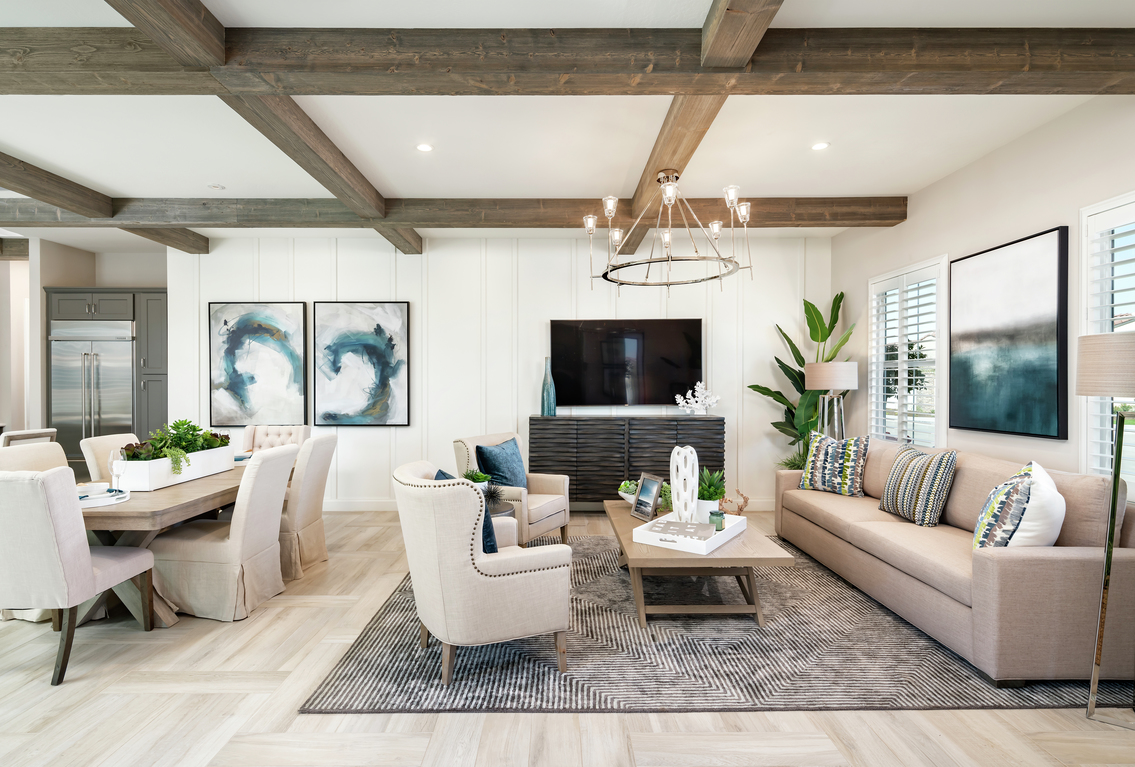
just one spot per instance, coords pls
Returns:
(833, 378)
(1106, 368)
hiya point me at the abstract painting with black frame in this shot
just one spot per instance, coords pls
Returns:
(257, 364)
(362, 363)
(1009, 338)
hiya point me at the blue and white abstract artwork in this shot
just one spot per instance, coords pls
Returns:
(257, 365)
(362, 366)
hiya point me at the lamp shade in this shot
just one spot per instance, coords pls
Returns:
(836, 376)
(1105, 365)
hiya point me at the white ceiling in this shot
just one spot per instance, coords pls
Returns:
(94, 240)
(594, 13)
(150, 146)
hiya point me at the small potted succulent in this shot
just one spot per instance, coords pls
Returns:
(478, 478)
(629, 489)
(711, 489)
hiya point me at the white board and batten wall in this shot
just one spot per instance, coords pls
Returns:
(479, 333)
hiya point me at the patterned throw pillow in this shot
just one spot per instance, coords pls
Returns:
(1026, 510)
(918, 485)
(835, 467)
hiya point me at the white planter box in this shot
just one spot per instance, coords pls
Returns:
(153, 475)
(734, 526)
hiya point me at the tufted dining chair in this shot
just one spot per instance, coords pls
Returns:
(464, 596)
(45, 560)
(225, 569)
(97, 450)
(541, 507)
(263, 437)
(302, 539)
(26, 436)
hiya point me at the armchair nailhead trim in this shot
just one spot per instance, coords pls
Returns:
(473, 535)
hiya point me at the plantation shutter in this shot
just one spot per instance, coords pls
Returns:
(902, 363)
(1111, 309)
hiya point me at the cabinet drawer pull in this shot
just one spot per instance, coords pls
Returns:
(143, 362)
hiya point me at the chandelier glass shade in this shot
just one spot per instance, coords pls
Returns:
(675, 257)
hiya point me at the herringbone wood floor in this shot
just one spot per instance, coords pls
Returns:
(226, 694)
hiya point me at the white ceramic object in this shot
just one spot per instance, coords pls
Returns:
(734, 526)
(704, 508)
(104, 499)
(92, 488)
(154, 475)
(628, 497)
(684, 482)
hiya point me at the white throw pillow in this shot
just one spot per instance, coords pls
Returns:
(1026, 510)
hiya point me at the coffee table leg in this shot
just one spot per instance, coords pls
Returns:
(639, 601)
(751, 575)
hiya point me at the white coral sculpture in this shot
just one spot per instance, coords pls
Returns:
(697, 401)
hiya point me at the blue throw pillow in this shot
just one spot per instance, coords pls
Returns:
(503, 463)
(488, 535)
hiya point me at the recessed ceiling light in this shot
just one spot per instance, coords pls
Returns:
(821, 145)
(216, 187)
(425, 148)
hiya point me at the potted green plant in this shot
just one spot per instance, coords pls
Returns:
(177, 452)
(478, 478)
(711, 489)
(629, 489)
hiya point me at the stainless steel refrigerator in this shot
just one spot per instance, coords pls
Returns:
(90, 381)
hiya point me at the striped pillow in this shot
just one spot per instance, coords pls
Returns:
(918, 485)
(835, 467)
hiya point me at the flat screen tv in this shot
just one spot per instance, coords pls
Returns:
(625, 362)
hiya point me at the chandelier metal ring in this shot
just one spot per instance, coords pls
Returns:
(730, 265)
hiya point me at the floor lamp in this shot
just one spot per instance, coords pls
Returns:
(832, 378)
(1106, 368)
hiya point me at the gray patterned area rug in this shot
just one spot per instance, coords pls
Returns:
(826, 646)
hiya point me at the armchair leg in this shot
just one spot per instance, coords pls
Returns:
(67, 636)
(425, 639)
(448, 655)
(56, 619)
(564, 534)
(146, 586)
(561, 649)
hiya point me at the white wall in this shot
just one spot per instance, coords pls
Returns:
(49, 265)
(13, 329)
(1038, 181)
(479, 335)
(130, 270)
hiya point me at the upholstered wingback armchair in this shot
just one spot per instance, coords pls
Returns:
(264, 437)
(467, 597)
(541, 507)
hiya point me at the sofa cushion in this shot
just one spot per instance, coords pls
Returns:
(1025, 510)
(880, 457)
(543, 506)
(503, 463)
(835, 466)
(835, 513)
(918, 485)
(940, 557)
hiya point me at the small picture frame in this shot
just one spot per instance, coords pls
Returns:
(645, 500)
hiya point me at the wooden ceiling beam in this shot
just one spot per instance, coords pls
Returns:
(733, 29)
(323, 213)
(405, 239)
(575, 62)
(13, 249)
(185, 29)
(179, 239)
(43, 185)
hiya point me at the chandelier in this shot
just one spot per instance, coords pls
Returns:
(671, 261)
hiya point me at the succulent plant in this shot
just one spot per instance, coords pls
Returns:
(139, 451)
(476, 476)
(711, 485)
(630, 487)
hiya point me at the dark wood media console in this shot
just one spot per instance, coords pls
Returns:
(599, 452)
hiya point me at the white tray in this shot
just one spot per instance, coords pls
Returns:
(734, 526)
(154, 475)
(104, 499)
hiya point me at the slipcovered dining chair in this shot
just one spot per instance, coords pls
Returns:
(97, 450)
(541, 507)
(264, 437)
(225, 569)
(467, 597)
(31, 456)
(302, 540)
(45, 561)
(13, 438)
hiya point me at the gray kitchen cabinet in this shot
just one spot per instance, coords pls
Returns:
(112, 306)
(70, 306)
(150, 411)
(150, 330)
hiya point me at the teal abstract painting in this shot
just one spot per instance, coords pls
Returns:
(362, 375)
(1009, 338)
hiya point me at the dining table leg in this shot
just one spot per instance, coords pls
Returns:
(128, 591)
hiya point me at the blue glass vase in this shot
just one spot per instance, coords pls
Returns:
(548, 394)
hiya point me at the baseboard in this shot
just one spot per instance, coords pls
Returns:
(755, 504)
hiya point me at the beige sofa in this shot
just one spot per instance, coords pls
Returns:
(1017, 614)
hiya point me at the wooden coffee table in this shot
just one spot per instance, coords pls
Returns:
(737, 558)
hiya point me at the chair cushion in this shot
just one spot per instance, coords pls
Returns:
(503, 463)
(115, 564)
(199, 541)
(835, 467)
(918, 485)
(543, 506)
(941, 557)
(835, 513)
(1026, 510)
(443, 475)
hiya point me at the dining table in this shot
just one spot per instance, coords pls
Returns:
(138, 520)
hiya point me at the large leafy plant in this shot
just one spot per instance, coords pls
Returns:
(802, 416)
(175, 441)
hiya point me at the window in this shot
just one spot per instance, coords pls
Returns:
(1110, 282)
(903, 357)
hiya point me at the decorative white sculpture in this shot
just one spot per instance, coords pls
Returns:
(684, 482)
(698, 401)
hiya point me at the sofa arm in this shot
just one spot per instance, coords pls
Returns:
(514, 560)
(548, 484)
(785, 480)
(1035, 611)
(504, 528)
(514, 494)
